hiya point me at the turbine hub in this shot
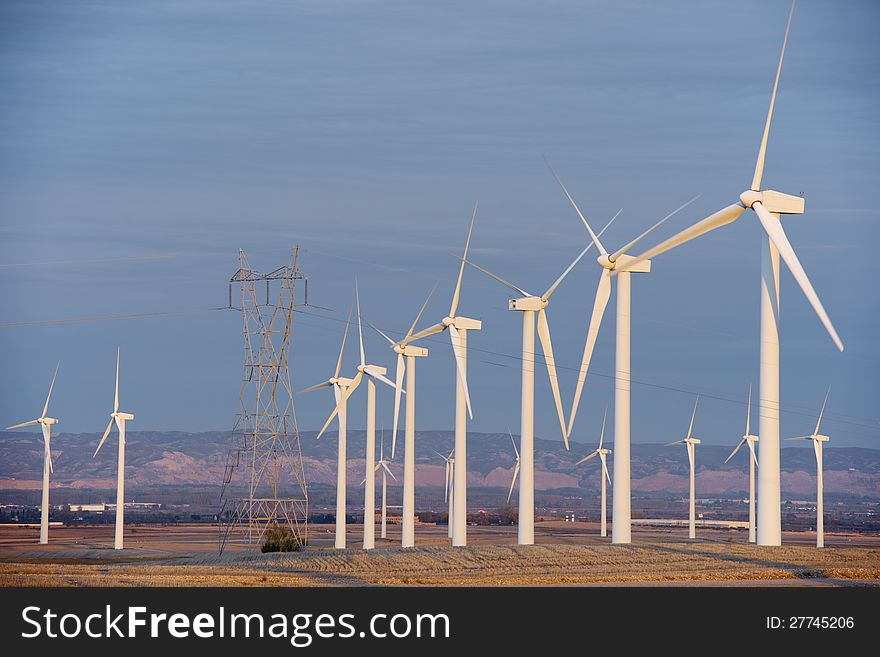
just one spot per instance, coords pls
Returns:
(750, 197)
(605, 261)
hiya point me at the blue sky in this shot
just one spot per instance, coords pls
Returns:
(144, 143)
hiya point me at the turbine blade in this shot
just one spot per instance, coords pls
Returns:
(398, 387)
(562, 276)
(690, 450)
(513, 481)
(343, 399)
(677, 442)
(799, 438)
(547, 348)
(46, 446)
(424, 333)
(467, 244)
(383, 379)
(593, 235)
(587, 458)
(446, 483)
(822, 412)
(388, 470)
(496, 277)
(319, 386)
(459, 354)
(22, 424)
(752, 450)
(377, 330)
(514, 443)
(342, 348)
(762, 151)
(602, 435)
(774, 230)
(614, 256)
(720, 218)
(735, 450)
(749, 412)
(357, 297)
(603, 292)
(49, 396)
(104, 437)
(116, 397)
(693, 415)
(412, 328)
(605, 468)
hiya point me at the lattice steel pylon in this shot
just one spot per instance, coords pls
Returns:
(264, 482)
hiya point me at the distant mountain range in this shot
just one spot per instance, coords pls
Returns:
(178, 458)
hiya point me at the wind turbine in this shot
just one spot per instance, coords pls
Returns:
(120, 419)
(621, 530)
(767, 205)
(45, 423)
(376, 372)
(530, 305)
(515, 467)
(602, 454)
(689, 441)
(749, 439)
(383, 463)
(458, 327)
(449, 491)
(339, 384)
(410, 352)
(818, 439)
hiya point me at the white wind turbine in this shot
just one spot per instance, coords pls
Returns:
(45, 423)
(515, 467)
(530, 305)
(449, 491)
(382, 463)
(818, 439)
(339, 384)
(749, 439)
(690, 442)
(767, 205)
(621, 531)
(602, 454)
(376, 372)
(410, 352)
(458, 327)
(120, 419)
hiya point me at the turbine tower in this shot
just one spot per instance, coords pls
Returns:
(45, 423)
(448, 492)
(818, 439)
(410, 352)
(458, 327)
(611, 263)
(530, 305)
(768, 205)
(690, 442)
(340, 385)
(373, 372)
(750, 440)
(602, 454)
(120, 418)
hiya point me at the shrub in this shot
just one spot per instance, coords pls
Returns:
(281, 539)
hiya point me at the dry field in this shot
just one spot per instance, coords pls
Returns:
(566, 554)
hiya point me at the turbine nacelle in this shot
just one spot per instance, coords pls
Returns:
(773, 201)
(119, 415)
(527, 303)
(410, 350)
(48, 421)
